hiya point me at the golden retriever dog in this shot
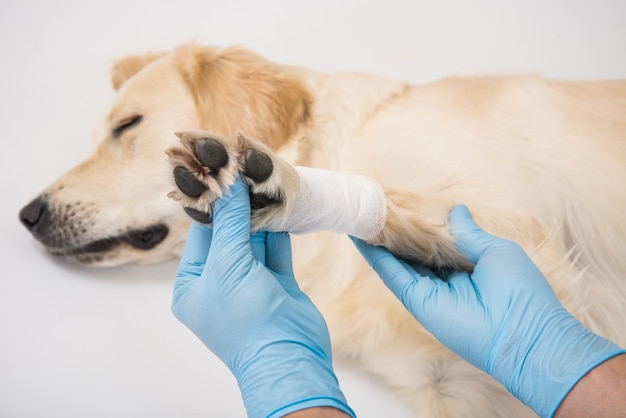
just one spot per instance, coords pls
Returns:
(538, 161)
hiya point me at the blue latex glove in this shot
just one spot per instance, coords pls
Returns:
(238, 294)
(503, 318)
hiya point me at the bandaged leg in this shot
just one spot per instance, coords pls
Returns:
(331, 201)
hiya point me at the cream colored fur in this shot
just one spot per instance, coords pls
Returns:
(538, 161)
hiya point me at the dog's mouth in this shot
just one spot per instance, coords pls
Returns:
(142, 239)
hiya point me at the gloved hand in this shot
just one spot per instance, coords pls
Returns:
(238, 294)
(503, 318)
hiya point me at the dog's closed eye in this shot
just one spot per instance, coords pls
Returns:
(126, 124)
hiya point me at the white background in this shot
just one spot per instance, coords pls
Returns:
(103, 343)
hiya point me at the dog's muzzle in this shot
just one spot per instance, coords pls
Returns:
(60, 237)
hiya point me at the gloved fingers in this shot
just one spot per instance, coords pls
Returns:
(279, 260)
(421, 269)
(470, 239)
(258, 242)
(192, 263)
(196, 250)
(278, 248)
(399, 277)
(460, 289)
(231, 223)
(477, 245)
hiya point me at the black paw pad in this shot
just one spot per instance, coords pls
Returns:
(259, 201)
(211, 153)
(188, 183)
(258, 166)
(196, 215)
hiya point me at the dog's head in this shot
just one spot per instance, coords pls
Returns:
(113, 207)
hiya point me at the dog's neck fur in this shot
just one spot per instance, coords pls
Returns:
(342, 104)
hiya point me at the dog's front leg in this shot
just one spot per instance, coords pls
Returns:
(303, 200)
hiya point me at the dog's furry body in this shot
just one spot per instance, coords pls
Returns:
(537, 161)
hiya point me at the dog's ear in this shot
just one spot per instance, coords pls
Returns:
(125, 68)
(237, 91)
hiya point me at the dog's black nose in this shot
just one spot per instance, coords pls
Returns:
(33, 213)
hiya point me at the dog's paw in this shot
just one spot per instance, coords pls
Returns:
(206, 164)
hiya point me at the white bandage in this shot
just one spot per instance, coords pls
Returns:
(331, 201)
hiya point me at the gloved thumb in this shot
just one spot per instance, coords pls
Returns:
(196, 251)
(470, 239)
(231, 219)
(279, 260)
